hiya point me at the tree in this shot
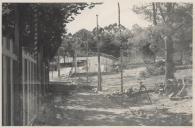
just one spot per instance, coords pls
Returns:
(86, 37)
(50, 30)
(110, 39)
(168, 19)
(142, 42)
(62, 14)
(60, 53)
(18, 22)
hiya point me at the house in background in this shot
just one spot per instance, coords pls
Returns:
(106, 64)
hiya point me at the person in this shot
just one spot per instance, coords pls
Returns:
(117, 68)
(70, 73)
(143, 88)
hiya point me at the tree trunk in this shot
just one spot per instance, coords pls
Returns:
(47, 76)
(181, 57)
(169, 65)
(99, 73)
(64, 59)
(52, 72)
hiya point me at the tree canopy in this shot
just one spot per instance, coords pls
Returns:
(169, 19)
(52, 20)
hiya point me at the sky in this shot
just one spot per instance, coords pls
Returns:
(108, 14)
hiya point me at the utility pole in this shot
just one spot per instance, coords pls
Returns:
(52, 72)
(87, 62)
(75, 54)
(98, 49)
(121, 48)
(75, 61)
(58, 64)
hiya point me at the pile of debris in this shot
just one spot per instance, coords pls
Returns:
(176, 89)
(133, 95)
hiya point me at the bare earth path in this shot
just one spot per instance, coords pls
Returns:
(87, 108)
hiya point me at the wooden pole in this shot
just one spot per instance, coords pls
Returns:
(58, 65)
(75, 55)
(98, 49)
(52, 72)
(18, 88)
(87, 63)
(121, 48)
(75, 61)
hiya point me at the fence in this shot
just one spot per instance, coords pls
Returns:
(8, 80)
(33, 89)
(30, 87)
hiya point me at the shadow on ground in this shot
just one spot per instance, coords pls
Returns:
(87, 108)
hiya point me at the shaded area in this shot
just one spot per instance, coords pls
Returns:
(86, 108)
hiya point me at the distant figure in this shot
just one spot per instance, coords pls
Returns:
(116, 68)
(179, 85)
(71, 72)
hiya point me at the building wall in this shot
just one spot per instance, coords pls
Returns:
(106, 63)
(106, 66)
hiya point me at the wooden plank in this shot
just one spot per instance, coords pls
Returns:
(3, 42)
(23, 90)
(4, 90)
(9, 54)
(28, 94)
(27, 56)
(12, 83)
(12, 92)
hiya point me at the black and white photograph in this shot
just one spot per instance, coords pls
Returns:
(97, 63)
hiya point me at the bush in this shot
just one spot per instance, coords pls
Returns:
(143, 74)
(157, 68)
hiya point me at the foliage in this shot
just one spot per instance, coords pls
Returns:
(86, 38)
(111, 38)
(171, 19)
(52, 19)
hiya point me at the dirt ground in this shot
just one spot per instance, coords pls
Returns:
(84, 107)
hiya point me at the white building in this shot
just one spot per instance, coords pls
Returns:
(106, 63)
